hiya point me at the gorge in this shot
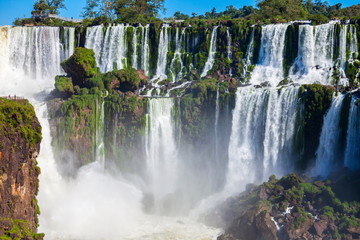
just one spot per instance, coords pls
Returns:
(155, 120)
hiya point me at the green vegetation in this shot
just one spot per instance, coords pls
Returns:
(132, 11)
(64, 85)
(84, 90)
(308, 198)
(198, 106)
(81, 66)
(17, 116)
(316, 100)
(17, 230)
(42, 7)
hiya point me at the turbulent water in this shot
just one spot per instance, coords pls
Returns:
(263, 126)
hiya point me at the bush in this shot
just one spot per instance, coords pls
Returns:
(64, 85)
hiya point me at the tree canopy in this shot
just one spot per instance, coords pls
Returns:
(48, 6)
(131, 10)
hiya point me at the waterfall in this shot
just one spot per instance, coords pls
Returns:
(280, 130)
(115, 49)
(249, 54)
(145, 49)
(99, 134)
(162, 53)
(110, 51)
(95, 41)
(270, 64)
(328, 151)
(229, 53)
(250, 48)
(68, 43)
(27, 47)
(353, 43)
(314, 62)
(210, 61)
(262, 134)
(161, 152)
(179, 41)
(216, 121)
(352, 151)
(342, 46)
(134, 45)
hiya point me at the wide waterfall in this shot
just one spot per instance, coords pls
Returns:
(315, 59)
(270, 64)
(262, 134)
(111, 49)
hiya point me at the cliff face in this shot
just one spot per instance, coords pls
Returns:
(20, 137)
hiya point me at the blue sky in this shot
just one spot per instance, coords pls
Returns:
(11, 9)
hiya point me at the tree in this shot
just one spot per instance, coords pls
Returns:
(50, 6)
(97, 8)
(129, 10)
(180, 16)
(139, 8)
(286, 9)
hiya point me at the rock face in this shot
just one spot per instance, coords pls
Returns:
(293, 208)
(20, 136)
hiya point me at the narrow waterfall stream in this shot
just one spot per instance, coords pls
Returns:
(210, 61)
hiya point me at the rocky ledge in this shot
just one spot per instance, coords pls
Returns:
(20, 137)
(294, 208)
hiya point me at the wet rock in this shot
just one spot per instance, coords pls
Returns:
(320, 227)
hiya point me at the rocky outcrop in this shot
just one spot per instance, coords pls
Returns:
(20, 136)
(294, 208)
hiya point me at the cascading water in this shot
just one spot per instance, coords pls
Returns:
(161, 149)
(342, 46)
(329, 150)
(145, 49)
(111, 49)
(210, 61)
(100, 145)
(249, 53)
(115, 48)
(353, 49)
(352, 151)
(217, 112)
(68, 43)
(162, 54)
(179, 41)
(134, 45)
(262, 134)
(95, 40)
(229, 53)
(26, 48)
(280, 130)
(315, 55)
(270, 64)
